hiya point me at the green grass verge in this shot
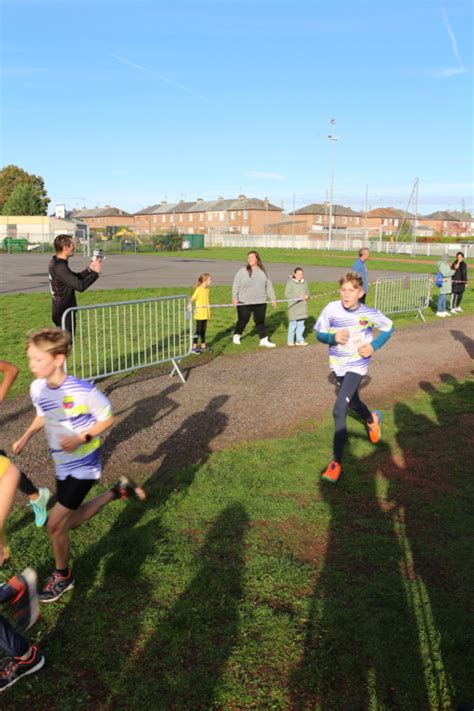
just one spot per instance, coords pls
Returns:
(24, 312)
(244, 582)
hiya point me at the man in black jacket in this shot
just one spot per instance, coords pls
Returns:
(64, 283)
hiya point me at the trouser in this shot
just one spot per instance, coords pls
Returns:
(456, 299)
(296, 327)
(201, 326)
(70, 321)
(441, 303)
(244, 311)
(11, 641)
(347, 397)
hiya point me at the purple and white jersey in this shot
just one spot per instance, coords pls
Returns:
(69, 409)
(361, 323)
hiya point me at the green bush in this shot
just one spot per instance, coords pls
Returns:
(168, 242)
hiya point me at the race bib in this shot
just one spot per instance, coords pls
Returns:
(356, 340)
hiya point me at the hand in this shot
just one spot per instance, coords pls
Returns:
(342, 336)
(235, 302)
(70, 442)
(96, 266)
(274, 304)
(19, 445)
(306, 297)
(366, 351)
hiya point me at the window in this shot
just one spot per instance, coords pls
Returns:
(319, 219)
(154, 218)
(357, 220)
(209, 216)
(181, 218)
(191, 217)
(163, 219)
(201, 217)
(232, 215)
(344, 220)
(221, 217)
(246, 215)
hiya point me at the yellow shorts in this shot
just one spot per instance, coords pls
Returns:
(4, 464)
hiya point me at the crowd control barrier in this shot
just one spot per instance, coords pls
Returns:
(396, 295)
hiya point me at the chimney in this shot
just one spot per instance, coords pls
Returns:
(265, 203)
(242, 197)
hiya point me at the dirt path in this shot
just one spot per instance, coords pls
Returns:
(163, 425)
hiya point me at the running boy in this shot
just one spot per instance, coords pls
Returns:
(74, 414)
(38, 497)
(202, 312)
(347, 327)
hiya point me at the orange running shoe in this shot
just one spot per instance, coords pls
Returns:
(375, 432)
(332, 473)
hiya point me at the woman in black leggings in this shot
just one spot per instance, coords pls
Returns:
(251, 290)
(459, 282)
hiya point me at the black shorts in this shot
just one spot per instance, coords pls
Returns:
(71, 492)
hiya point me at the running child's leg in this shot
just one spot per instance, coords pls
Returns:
(9, 478)
(348, 387)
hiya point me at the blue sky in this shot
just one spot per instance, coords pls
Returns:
(128, 103)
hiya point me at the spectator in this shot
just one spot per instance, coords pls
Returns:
(445, 289)
(251, 290)
(458, 283)
(64, 283)
(297, 290)
(360, 268)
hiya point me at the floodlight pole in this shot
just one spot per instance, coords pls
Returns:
(333, 139)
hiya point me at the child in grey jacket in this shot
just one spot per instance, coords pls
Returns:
(297, 290)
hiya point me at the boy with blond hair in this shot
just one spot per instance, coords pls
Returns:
(74, 413)
(347, 326)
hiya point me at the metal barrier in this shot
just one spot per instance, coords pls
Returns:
(395, 295)
(108, 339)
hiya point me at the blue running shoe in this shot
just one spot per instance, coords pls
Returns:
(39, 506)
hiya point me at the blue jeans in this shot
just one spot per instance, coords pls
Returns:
(298, 328)
(441, 302)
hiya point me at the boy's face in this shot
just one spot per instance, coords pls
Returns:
(41, 363)
(350, 294)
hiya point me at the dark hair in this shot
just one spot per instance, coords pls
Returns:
(62, 241)
(298, 269)
(259, 262)
(461, 253)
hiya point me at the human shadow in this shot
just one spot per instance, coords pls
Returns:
(142, 415)
(184, 657)
(111, 592)
(467, 342)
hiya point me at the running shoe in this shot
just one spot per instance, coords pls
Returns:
(24, 604)
(56, 585)
(14, 668)
(373, 427)
(196, 351)
(333, 472)
(236, 339)
(301, 343)
(39, 506)
(126, 488)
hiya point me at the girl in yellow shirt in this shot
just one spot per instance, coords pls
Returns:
(202, 312)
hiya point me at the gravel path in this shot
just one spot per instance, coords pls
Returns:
(163, 425)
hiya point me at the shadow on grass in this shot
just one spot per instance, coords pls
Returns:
(386, 624)
(184, 657)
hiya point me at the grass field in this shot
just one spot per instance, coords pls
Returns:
(243, 582)
(24, 312)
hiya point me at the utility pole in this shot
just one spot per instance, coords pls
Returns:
(333, 138)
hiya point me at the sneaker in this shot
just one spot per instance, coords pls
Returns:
(265, 343)
(290, 345)
(301, 343)
(373, 427)
(333, 472)
(459, 309)
(446, 313)
(25, 603)
(56, 585)
(236, 339)
(39, 506)
(454, 311)
(196, 351)
(126, 488)
(441, 314)
(13, 668)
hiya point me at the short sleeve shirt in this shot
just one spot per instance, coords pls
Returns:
(361, 323)
(71, 408)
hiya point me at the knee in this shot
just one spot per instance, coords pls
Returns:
(54, 527)
(340, 410)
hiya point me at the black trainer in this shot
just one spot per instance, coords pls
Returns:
(56, 585)
(13, 668)
(126, 488)
(25, 603)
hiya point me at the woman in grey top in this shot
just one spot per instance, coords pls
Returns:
(251, 289)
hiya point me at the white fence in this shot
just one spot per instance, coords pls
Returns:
(108, 339)
(342, 241)
(395, 295)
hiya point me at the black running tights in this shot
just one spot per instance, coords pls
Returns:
(201, 326)
(347, 397)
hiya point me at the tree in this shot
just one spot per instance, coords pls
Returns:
(11, 176)
(24, 200)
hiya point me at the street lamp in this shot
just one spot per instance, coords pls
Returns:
(333, 138)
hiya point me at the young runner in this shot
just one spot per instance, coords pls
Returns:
(74, 414)
(347, 327)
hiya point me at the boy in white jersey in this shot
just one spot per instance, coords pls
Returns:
(74, 414)
(347, 327)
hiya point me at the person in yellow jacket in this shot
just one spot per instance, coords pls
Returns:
(202, 312)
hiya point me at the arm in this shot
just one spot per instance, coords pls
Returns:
(71, 442)
(10, 373)
(328, 338)
(236, 287)
(270, 290)
(75, 281)
(35, 427)
(385, 328)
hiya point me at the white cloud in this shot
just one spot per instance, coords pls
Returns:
(262, 175)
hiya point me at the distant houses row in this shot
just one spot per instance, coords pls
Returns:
(244, 215)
